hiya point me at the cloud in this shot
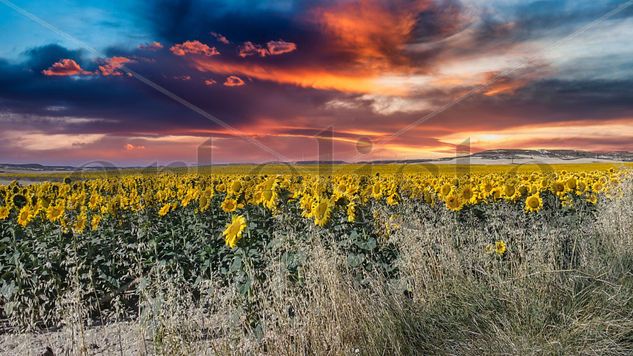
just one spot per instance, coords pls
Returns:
(234, 81)
(193, 47)
(111, 66)
(372, 33)
(44, 141)
(182, 77)
(65, 68)
(131, 147)
(220, 38)
(366, 68)
(273, 48)
(251, 49)
(306, 77)
(153, 46)
(276, 48)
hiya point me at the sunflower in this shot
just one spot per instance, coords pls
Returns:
(467, 192)
(25, 216)
(376, 190)
(533, 203)
(445, 189)
(393, 199)
(80, 223)
(234, 230)
(571, 183)
(55, 212)
(204, 202)
(453, 202)
(230, 205)
(95, 222)
(19, 201)
(558, 187)
(321, 211)
(500, 248)
(270, 196)
(164, 210)
(236, 187)
(4, 212)
(351, 212)
(597, 187)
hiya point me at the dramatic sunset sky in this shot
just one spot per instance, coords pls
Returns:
(87, 80)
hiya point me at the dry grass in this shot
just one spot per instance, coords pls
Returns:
(565, 287)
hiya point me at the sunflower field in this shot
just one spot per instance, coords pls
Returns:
(100, 240)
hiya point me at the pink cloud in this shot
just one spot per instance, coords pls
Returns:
(209, 82)
(183, 77)
(193, 47)
(252, 49)
(153, 46)
(280, 47)
(234, 81)
(220, 38)
(111, 66)
(273, 48)
(65, 68)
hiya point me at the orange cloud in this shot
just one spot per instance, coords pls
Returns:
(372, 30)
(209, 82)
(234, 81)
(193, 47)
(112, 65)
(506, 85)
(65, 68)
(318, 78)
(131, 147)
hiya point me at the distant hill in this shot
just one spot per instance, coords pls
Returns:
(34, 167)
(523, 155)
(490, 156)
(558, 154)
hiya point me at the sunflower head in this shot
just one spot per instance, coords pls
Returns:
(500, 248)
(55, 212)
(25, 216)
(234, 230)
(533, 203)
(393, 199)
(19, 201)
(236, 187)
(453, 202)
(4, 212)
(229, 205)
(164, 210)
(321, 211)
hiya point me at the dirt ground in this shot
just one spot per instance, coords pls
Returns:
(118, 339)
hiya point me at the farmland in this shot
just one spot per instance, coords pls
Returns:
(353, 258)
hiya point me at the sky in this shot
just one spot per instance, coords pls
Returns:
(136, 82)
